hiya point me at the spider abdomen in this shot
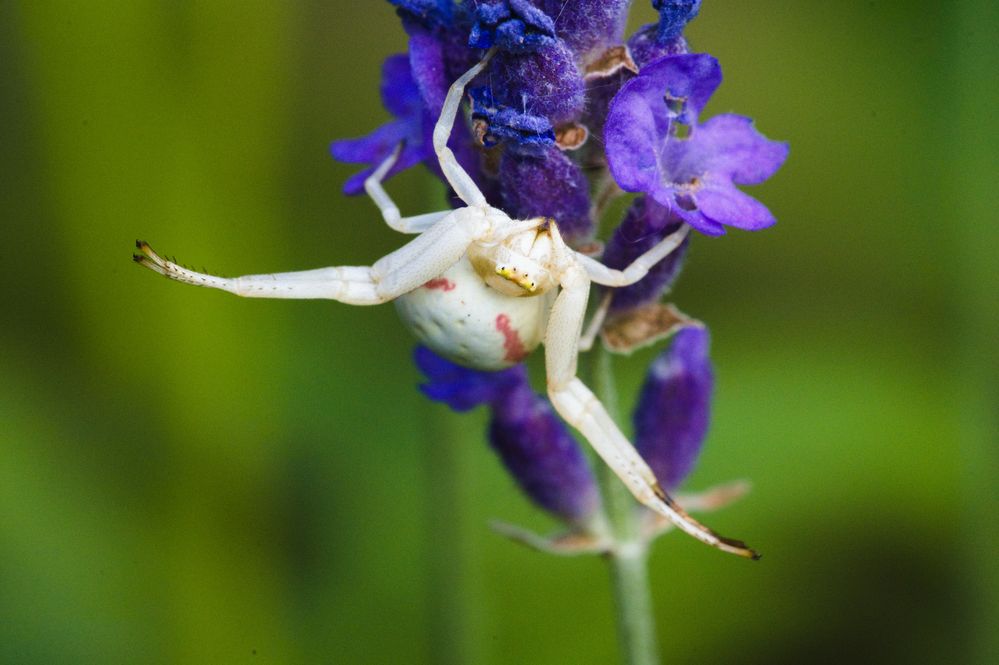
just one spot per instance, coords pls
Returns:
(460, 317)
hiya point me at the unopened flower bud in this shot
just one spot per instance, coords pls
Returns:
(674, 410)
(534, 445)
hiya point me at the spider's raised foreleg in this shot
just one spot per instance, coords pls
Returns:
(390, 211)
(581, 409)
(405, 269)
(460, 181)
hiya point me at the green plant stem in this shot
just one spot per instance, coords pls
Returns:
(628, 558)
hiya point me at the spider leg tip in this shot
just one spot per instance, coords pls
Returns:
(742, 549)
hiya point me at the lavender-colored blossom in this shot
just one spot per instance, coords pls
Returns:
(406, 97)
(439, 52)
(588, 26)
(674, 410)
(534, 445)
(645, 45)
(514, 26)
(548, 184)
(674, 16)
(555, 75)
(525, 133)
(695, 177)
(644, 225)
(429, 13)
(401, 97)
(546, 82)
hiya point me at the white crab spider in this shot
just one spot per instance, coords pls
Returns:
(484, 290)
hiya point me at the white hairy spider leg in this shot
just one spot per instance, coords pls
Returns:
(581, 408)
(639, 268)
(422, 259)
(460, 181)
(390, 212)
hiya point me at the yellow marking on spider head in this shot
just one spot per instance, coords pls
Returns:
(514, 275)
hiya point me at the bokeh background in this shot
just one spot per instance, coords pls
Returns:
(188, 477)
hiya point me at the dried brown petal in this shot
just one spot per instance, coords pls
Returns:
(641, 327)
(610, 62)
(571, 136)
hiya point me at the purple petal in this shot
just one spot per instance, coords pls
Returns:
(685, 207)
(634, 134)
(375, 148)
(401, 97)
(674, 410)
(462, 388)
(354, 185)
(698, 222)
(400, 94)
(638, 123)
(692, 78)
(730, 146)
(424, 13)
(370, 149)
(645, 47)
(426, 60)
(722, 202)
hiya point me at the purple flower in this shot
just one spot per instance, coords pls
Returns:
(401, 97)
(695, 177)
(587, 26)
(515, 26)
(674, 15)
(547, 184)
(645, 46)
(534, 445)
(644, 225)
(429, 13)
(438, 49)
(674, 410)
(525, 133)
(544, 82)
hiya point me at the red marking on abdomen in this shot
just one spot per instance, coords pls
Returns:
(515, 351)
(440, 283)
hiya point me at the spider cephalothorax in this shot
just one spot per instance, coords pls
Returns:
(522, 264)
(484, 290)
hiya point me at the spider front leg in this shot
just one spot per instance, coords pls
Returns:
(405, 269)
(581, 409)
(457, 177)
(390, 211)
(460, 181)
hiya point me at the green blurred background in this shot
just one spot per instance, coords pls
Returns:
(188, 477)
